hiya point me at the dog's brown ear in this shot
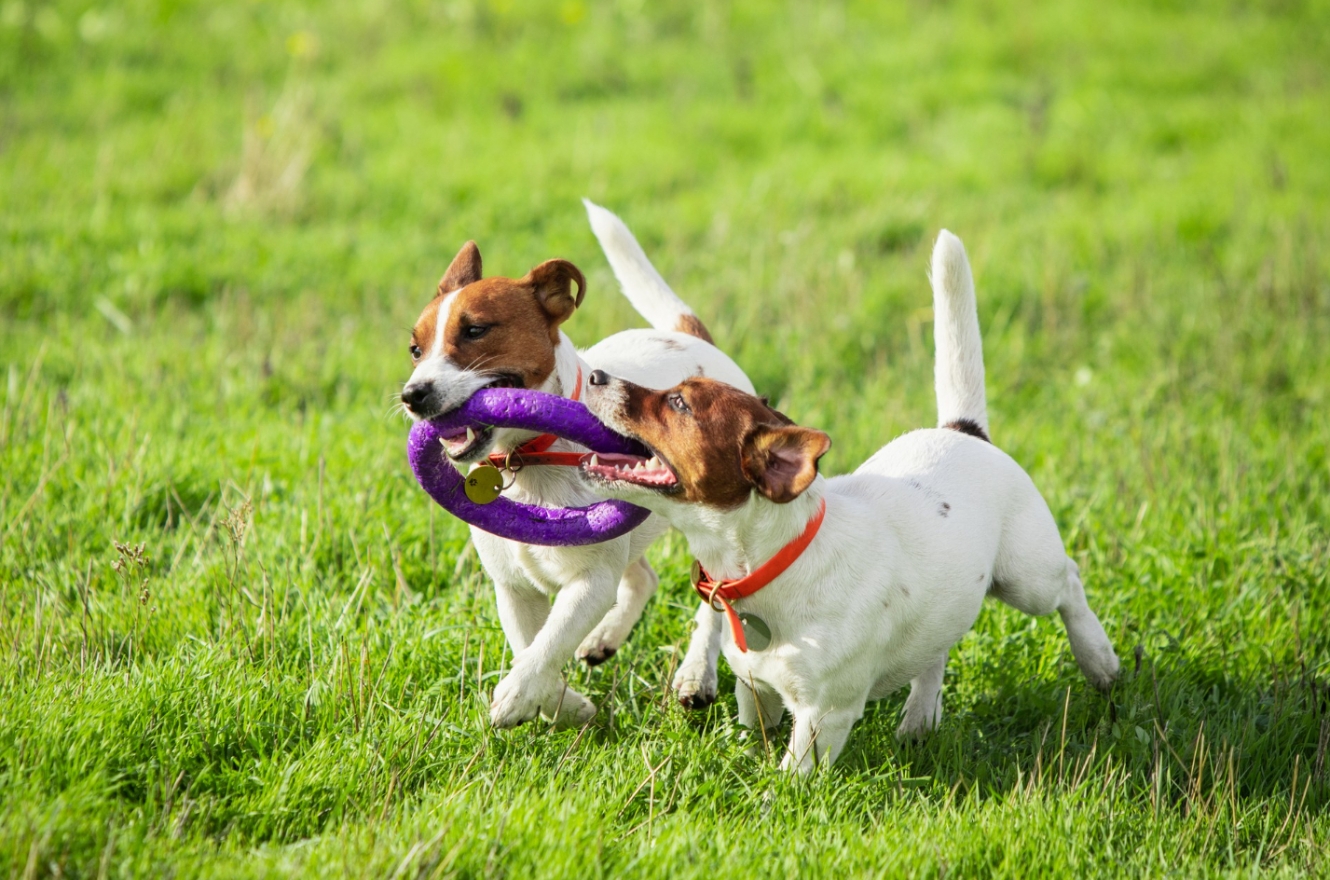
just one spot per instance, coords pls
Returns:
(781, 460)
(552, 281)
(463, 270)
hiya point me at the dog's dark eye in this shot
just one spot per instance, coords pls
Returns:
(475, 331)
(415, 352)
(678, 404)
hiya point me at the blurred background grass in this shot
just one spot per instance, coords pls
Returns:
(218, 222)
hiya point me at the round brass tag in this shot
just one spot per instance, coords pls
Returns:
(484, 484)
(696, 574)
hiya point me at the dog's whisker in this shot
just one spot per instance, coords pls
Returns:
(476, 367)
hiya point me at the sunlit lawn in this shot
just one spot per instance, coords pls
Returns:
(238, 640)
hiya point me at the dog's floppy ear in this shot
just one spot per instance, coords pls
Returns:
(463, 270)
(781, 460)
(552, 281)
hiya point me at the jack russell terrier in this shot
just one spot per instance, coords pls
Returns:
(503, 332)
(827, 593)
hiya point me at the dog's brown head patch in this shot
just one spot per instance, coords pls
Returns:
(720, 442)
(504, 326)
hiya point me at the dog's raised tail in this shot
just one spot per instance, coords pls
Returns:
(641, 283)
(958, 373)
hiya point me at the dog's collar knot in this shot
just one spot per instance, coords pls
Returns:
(728, 591)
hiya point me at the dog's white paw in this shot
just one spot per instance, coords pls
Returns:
(603, 643)
(1100, 667)
(517, 700)
(916, 726)
(799, 765)
(575, 711)
(760, 745)
(695, 685)
(923, 715)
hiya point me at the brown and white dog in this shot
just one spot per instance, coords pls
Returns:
(506, 332)
(908, 545)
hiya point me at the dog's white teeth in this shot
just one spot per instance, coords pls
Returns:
(470, 436)
(595, 460)
(655, 463)
(640, 466)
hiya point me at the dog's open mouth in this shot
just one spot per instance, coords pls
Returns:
(466, 443)
(637, 470)
(506, 380)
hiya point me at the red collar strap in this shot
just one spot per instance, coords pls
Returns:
(533, 450)
(728, 591)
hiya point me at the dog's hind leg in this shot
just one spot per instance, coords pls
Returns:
(1041, 580)
(636, 588)
(923, 708)
(1089, 643)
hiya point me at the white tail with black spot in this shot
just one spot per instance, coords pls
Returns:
(958, 372)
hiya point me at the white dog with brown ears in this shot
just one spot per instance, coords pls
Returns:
(831, 592)
(503, 332)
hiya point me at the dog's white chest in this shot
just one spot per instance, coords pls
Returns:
(548, 568)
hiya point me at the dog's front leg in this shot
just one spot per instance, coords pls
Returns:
(522, 611)
(819, 735)
(636, 588)
(760, 710)
(695, 682)
(535, 685)
(923, 708)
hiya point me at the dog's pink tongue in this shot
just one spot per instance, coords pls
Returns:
(458, 442)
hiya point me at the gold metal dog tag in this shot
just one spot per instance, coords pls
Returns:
(696, 574)
(756, 631)
(484, 484)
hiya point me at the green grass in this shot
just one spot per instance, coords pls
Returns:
(218, 220)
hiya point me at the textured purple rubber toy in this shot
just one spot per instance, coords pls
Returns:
(532, 411)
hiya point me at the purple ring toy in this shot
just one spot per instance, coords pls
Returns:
(532, 411)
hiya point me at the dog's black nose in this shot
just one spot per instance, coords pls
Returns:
(600, 377)
(414, 395)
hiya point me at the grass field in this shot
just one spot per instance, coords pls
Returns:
(238, 640)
